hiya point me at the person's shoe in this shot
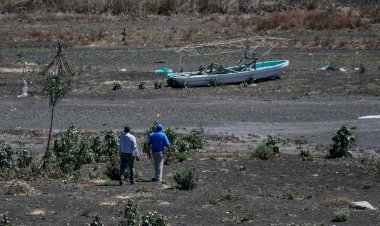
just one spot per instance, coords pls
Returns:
(121, 183)
(154, 179)
(132, 182)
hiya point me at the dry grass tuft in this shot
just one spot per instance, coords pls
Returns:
(314, 19)
(21, 188)
(339, 202)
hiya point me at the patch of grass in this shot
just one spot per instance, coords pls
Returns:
(182, 156)
(342, 215)
(144, 190)
(186, 179)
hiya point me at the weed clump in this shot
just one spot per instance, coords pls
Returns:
(186, 179)
(117, 86)
(342, 215)
(154, 219)
(267, 150)
(342, 139)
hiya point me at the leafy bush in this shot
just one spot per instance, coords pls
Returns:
(154, 219)
(142, 85)
(117, 85)
(263, 151)
(181, 145)
(24, 158)
(4, 221)
(111, 143)
(97, 221)
(6, 156)
(186, 179)
(98, 149)
(113, 167)
(130, 216)
(342, 215)
(342, 139)
(195, 139)
(272, 143)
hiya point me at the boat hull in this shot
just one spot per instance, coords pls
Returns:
(264, 70)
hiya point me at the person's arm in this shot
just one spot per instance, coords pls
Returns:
(135, 148)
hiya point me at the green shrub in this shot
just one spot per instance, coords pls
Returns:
(113, 167)
(263, 151)
(272, 143)
(6, 156)
(98, 149)
(111, 143)
(130, 216)
(342, 139)
(24, 159)
(154, 219)
(342, 215)
(182, 156)
(195, 139)
(4, 221)
(117, 85)
(186, 179)
(157, 84)
(97, 221)
(181, 145)
(142, 85)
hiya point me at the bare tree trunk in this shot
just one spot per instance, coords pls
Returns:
(47, 155)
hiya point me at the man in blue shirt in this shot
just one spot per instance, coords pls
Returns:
(159, 141)
(128, 153)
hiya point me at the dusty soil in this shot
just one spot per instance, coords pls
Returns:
(303, 109)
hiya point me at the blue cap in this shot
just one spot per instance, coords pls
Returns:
(127, 128)
(159, 127)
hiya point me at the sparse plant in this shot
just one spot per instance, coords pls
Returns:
(182, 156)
(56, 86)
(243, 85)
(154, 219)
(157, 84)
(117, 85)
(130, 216)
(186, 179)
(4, 221)
(97, 221)
(181, 145)
(6, 156)
(142, 85)
(24, 158)
(195, 139)
(306, 155)
(342, 215)
(342, 139)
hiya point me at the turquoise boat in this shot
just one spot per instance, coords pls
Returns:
(216, 73)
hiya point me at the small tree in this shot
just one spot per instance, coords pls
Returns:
(342, 139)
(56, 86)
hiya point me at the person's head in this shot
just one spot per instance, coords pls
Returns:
(159, 127)
(127, 129)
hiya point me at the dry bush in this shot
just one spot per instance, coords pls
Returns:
(339, 202)
(314, 19)
(20, 188)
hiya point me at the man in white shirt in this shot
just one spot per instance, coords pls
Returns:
(128, 153)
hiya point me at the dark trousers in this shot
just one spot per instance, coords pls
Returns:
(127, 160)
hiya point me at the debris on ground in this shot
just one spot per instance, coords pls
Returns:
(332, 67)
(362, 205)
